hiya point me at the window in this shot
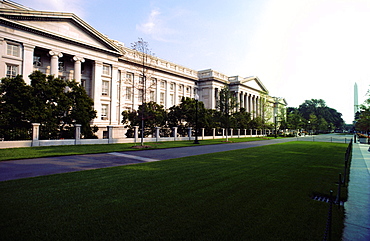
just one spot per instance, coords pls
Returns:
(128, 93)
(161, 99)
(154, 81)
(141, 95)
(141, 80)
(180, 88)
(37, 61)
(106, 69)
(105, 88)
(152, 95)
(171, 100)
(11, 71)
(129, 77)
(187, 89)
(13, 49)
(61, 65)
(104, 112)
(172, 86)
(162, 84)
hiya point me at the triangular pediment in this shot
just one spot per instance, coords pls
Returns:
(63, 25)
(67, 29)
(255, 83)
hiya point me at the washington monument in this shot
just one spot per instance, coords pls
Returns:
(355, 99)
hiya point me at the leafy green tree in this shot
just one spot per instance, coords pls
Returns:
(227, 105)
(183, 115)
(15, 96)
(54, 103)
(363, 116)
(294, 119)
(241, 119)
(154, 115)
(320, 110)
(81, 110)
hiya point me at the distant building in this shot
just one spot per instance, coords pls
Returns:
(63, 45)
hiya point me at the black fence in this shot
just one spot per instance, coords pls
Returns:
(15, 134)
(342, 182)
(47, 133)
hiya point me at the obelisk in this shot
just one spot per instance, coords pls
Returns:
(355, 99)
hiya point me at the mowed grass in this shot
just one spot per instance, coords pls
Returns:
(260, 193)
(46, 151)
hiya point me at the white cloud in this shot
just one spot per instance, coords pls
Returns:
(157, 25)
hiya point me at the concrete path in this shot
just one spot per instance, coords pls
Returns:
(16, 169)
(357, 207)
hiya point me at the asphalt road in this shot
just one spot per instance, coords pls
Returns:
(16, 169)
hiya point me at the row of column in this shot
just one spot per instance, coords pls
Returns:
(252, 103)
(54, 64)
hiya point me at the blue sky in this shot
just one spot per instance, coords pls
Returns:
(300, 50)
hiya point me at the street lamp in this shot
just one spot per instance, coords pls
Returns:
(275, 126)
(196, 97)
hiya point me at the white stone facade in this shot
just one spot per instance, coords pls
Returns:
(63, 45)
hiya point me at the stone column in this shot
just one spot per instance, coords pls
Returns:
(174, 133)
(175, 94)
(223, 132)
(157, 133)
(202, 133)
(231, 132)
(214, 132)
(54, 62)
(110, 134)
(35, 134)
(27, 67)
(189, 133)
(113, 96)
(96, 87)
(136, 133)
(77, 68)
(77, 134)
(167, 95)
(251, 132)
(238, 133)
(245, 132)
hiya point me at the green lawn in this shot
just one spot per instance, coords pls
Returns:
(260, 193)
(45, 151)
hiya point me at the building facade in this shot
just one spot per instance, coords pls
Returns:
(63, 45)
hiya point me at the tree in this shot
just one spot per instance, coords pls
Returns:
(183, 115)
(145, 57)
(319, 109)
(54, 103)
(294, 119)
(363, 117)
(154, 115)
(15, 96)
(227, 105)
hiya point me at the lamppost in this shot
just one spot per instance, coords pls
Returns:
(196, 97)
(275, 126)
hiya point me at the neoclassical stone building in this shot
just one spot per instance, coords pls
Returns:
(63, 45)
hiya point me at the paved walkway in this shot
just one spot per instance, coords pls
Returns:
(16, 169)
(357, 207)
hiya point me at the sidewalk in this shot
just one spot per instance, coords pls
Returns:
(357, 207)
